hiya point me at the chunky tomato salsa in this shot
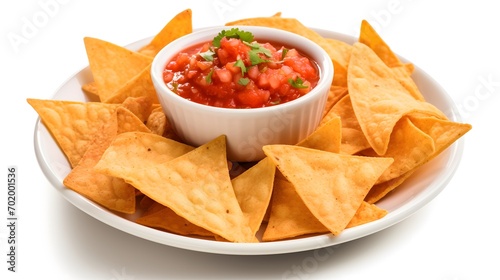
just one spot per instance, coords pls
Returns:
(234, 71)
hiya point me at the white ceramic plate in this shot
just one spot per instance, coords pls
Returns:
(417, 191)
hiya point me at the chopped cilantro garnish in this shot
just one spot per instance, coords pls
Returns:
(255, 57)
(244, 36)
(243, 81)
(208, 78)
(241, 64)
(298, 83)
(208, 55)
(283, 53)
(259, 48)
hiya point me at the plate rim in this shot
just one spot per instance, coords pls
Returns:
(264, 248)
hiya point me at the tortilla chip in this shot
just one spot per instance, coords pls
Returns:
(72, 123)
(410, 147)
(133, 150)
(379, 191)
(444, 132)
(353, 140)
(340, 181)
(334, 95)
(253, 189)
(111, 192)
(139, 86)
(197, 187)
(90, 88)
(177, 27)
(289, 216)
(140, 106)
(378, 99)
(166, 219)
(327, 137)
(366, 213)
(112, 66)
(372, 39)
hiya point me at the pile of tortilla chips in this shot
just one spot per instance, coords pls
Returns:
(377, 129)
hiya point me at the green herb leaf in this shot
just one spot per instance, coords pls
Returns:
(241, 64)
(208, 78)
(255, 57)
(243, 81)
(244, 36)
(298, 83)
(259, 48)
(283, 53)
(208, 55)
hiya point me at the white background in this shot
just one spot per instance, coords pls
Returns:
(454, 237)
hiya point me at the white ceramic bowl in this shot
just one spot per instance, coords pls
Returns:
(246, 130)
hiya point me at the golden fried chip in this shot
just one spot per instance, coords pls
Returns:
(111, 192)
(379, 191)
(166, 219)
(197, 187)
(366, 213)
(378, 99)
(112, 66)
(353, 140)
(334, 95)
(340, 181)
(72, 123)
(410, 147)
(253, 189)
(139, 86)
(133, 150)
(90, 88)
(289, 216)
(177, 27)
(140, 106)
(372, 39)
(327, 137)
(157, 122)
(293, 25)
(444, 132)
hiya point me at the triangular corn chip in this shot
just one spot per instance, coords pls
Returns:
(111, 192)
(72, 123)
(112, 66)
(331, 185)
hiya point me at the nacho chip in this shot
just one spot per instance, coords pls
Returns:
(353, 140)
(444, 132)
(133, 150)
(253, 189)
(197, 187)
(72, 123)
(139, 106)
(366, 213)
(378, 99)
(289, 216)
(379, 191)
(402, 71)
(177, 27)
(334, 95)
(327, 137)
(340, 181)
(372, 39)
(90, 88)
(111, 192)
(112, 66)
(410, 147)
(166, 219)
(140, 85)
